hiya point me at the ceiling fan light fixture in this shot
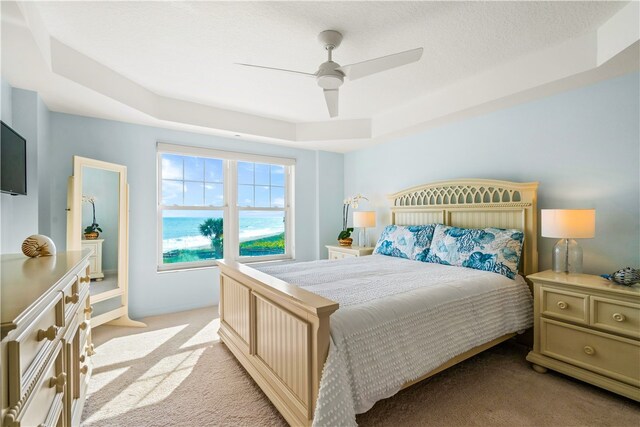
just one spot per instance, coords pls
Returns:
(330, 75)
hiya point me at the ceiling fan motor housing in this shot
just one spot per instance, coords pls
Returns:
(328, 75)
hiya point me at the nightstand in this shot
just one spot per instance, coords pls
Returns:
(95, 261)
(339, 252)
(588, 328)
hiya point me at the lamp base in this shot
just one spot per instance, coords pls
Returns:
(363, 239)
(567, 256)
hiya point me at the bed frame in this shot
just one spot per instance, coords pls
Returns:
(280, 332)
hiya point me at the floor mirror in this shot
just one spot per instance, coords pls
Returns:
(98, 220)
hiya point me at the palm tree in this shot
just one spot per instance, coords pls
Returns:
(213, 228)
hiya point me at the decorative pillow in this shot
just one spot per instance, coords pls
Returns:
(489, 249)
(410, 242)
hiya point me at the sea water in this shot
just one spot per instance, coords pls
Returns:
(184, 233)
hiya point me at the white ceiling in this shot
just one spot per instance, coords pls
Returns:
(186, 51)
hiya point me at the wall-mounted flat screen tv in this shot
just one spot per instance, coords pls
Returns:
(13, 162)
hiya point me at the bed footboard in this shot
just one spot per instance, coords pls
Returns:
(279, 333)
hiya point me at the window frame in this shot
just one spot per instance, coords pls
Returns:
(229, 208)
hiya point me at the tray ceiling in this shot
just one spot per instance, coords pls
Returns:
(184, 52)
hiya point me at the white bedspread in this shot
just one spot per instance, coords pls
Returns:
(399, 319)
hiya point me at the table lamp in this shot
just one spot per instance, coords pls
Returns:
(567, 225)
(364, 219)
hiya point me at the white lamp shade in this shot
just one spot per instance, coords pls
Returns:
(568, 223)
(364, 219)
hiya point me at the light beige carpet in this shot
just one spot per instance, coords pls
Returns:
(177, 373)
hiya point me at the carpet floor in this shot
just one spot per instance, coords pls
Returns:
(176, 372)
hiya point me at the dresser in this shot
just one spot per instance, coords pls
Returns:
(46, 346)
(95, 260)
(339, 252)
(588, 328)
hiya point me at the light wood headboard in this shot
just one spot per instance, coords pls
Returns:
(474, 203)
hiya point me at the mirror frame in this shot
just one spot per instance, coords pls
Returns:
(74, 223)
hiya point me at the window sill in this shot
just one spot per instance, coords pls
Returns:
(178, 269)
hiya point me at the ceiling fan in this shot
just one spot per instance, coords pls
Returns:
(330, 75)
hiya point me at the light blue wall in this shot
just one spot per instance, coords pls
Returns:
(103, 185)
(134, 146)
(330, 181)
(6, 112)
(20, 214)
(583, 146)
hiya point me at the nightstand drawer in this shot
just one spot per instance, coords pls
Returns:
(565, 305)
(93, 265)
(86, 244)
(617, 316)
(598, 352)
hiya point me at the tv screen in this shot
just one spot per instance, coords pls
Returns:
(13, 162)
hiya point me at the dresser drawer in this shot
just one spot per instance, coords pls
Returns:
(617, 316)
(29, 348)
(44, 406)
(605, 354)
(336, 255)
(565, 305)
(73, 293)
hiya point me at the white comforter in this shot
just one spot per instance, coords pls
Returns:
(399, 319)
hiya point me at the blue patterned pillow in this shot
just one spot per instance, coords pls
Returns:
(410, 241)
(489, 249)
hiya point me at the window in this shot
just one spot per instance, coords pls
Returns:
(261, 209)
(215, 205)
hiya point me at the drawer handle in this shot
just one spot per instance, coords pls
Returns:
(589, 350)
(89, 350)
(82, 358)
(58, 382)
(84, 369)
(85, 279)
(84, 325)
(89, 310)
(562, 305)
(619, 317)
(49, 333)
(73, 299)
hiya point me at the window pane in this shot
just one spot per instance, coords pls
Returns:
(277, 197)
(213, 170)
(193, 168)
(171, 166)
(171, 192)
(191, 236)
(245, 195)
(262, 197)
(261, 233)
(194, 194)
(213, 195)
(245, 173)
(262, 174)
(277, 175)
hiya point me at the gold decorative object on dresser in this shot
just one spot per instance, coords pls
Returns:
(46, 339)
(339, 252)
(588, 328)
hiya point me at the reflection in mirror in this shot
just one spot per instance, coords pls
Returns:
(100, 211)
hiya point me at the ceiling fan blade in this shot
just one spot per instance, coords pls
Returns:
(372, 66)
(277, 69)
(331, 96)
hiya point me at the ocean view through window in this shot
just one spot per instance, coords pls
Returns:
(211, 208)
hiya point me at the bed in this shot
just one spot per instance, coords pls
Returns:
(285, 334)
